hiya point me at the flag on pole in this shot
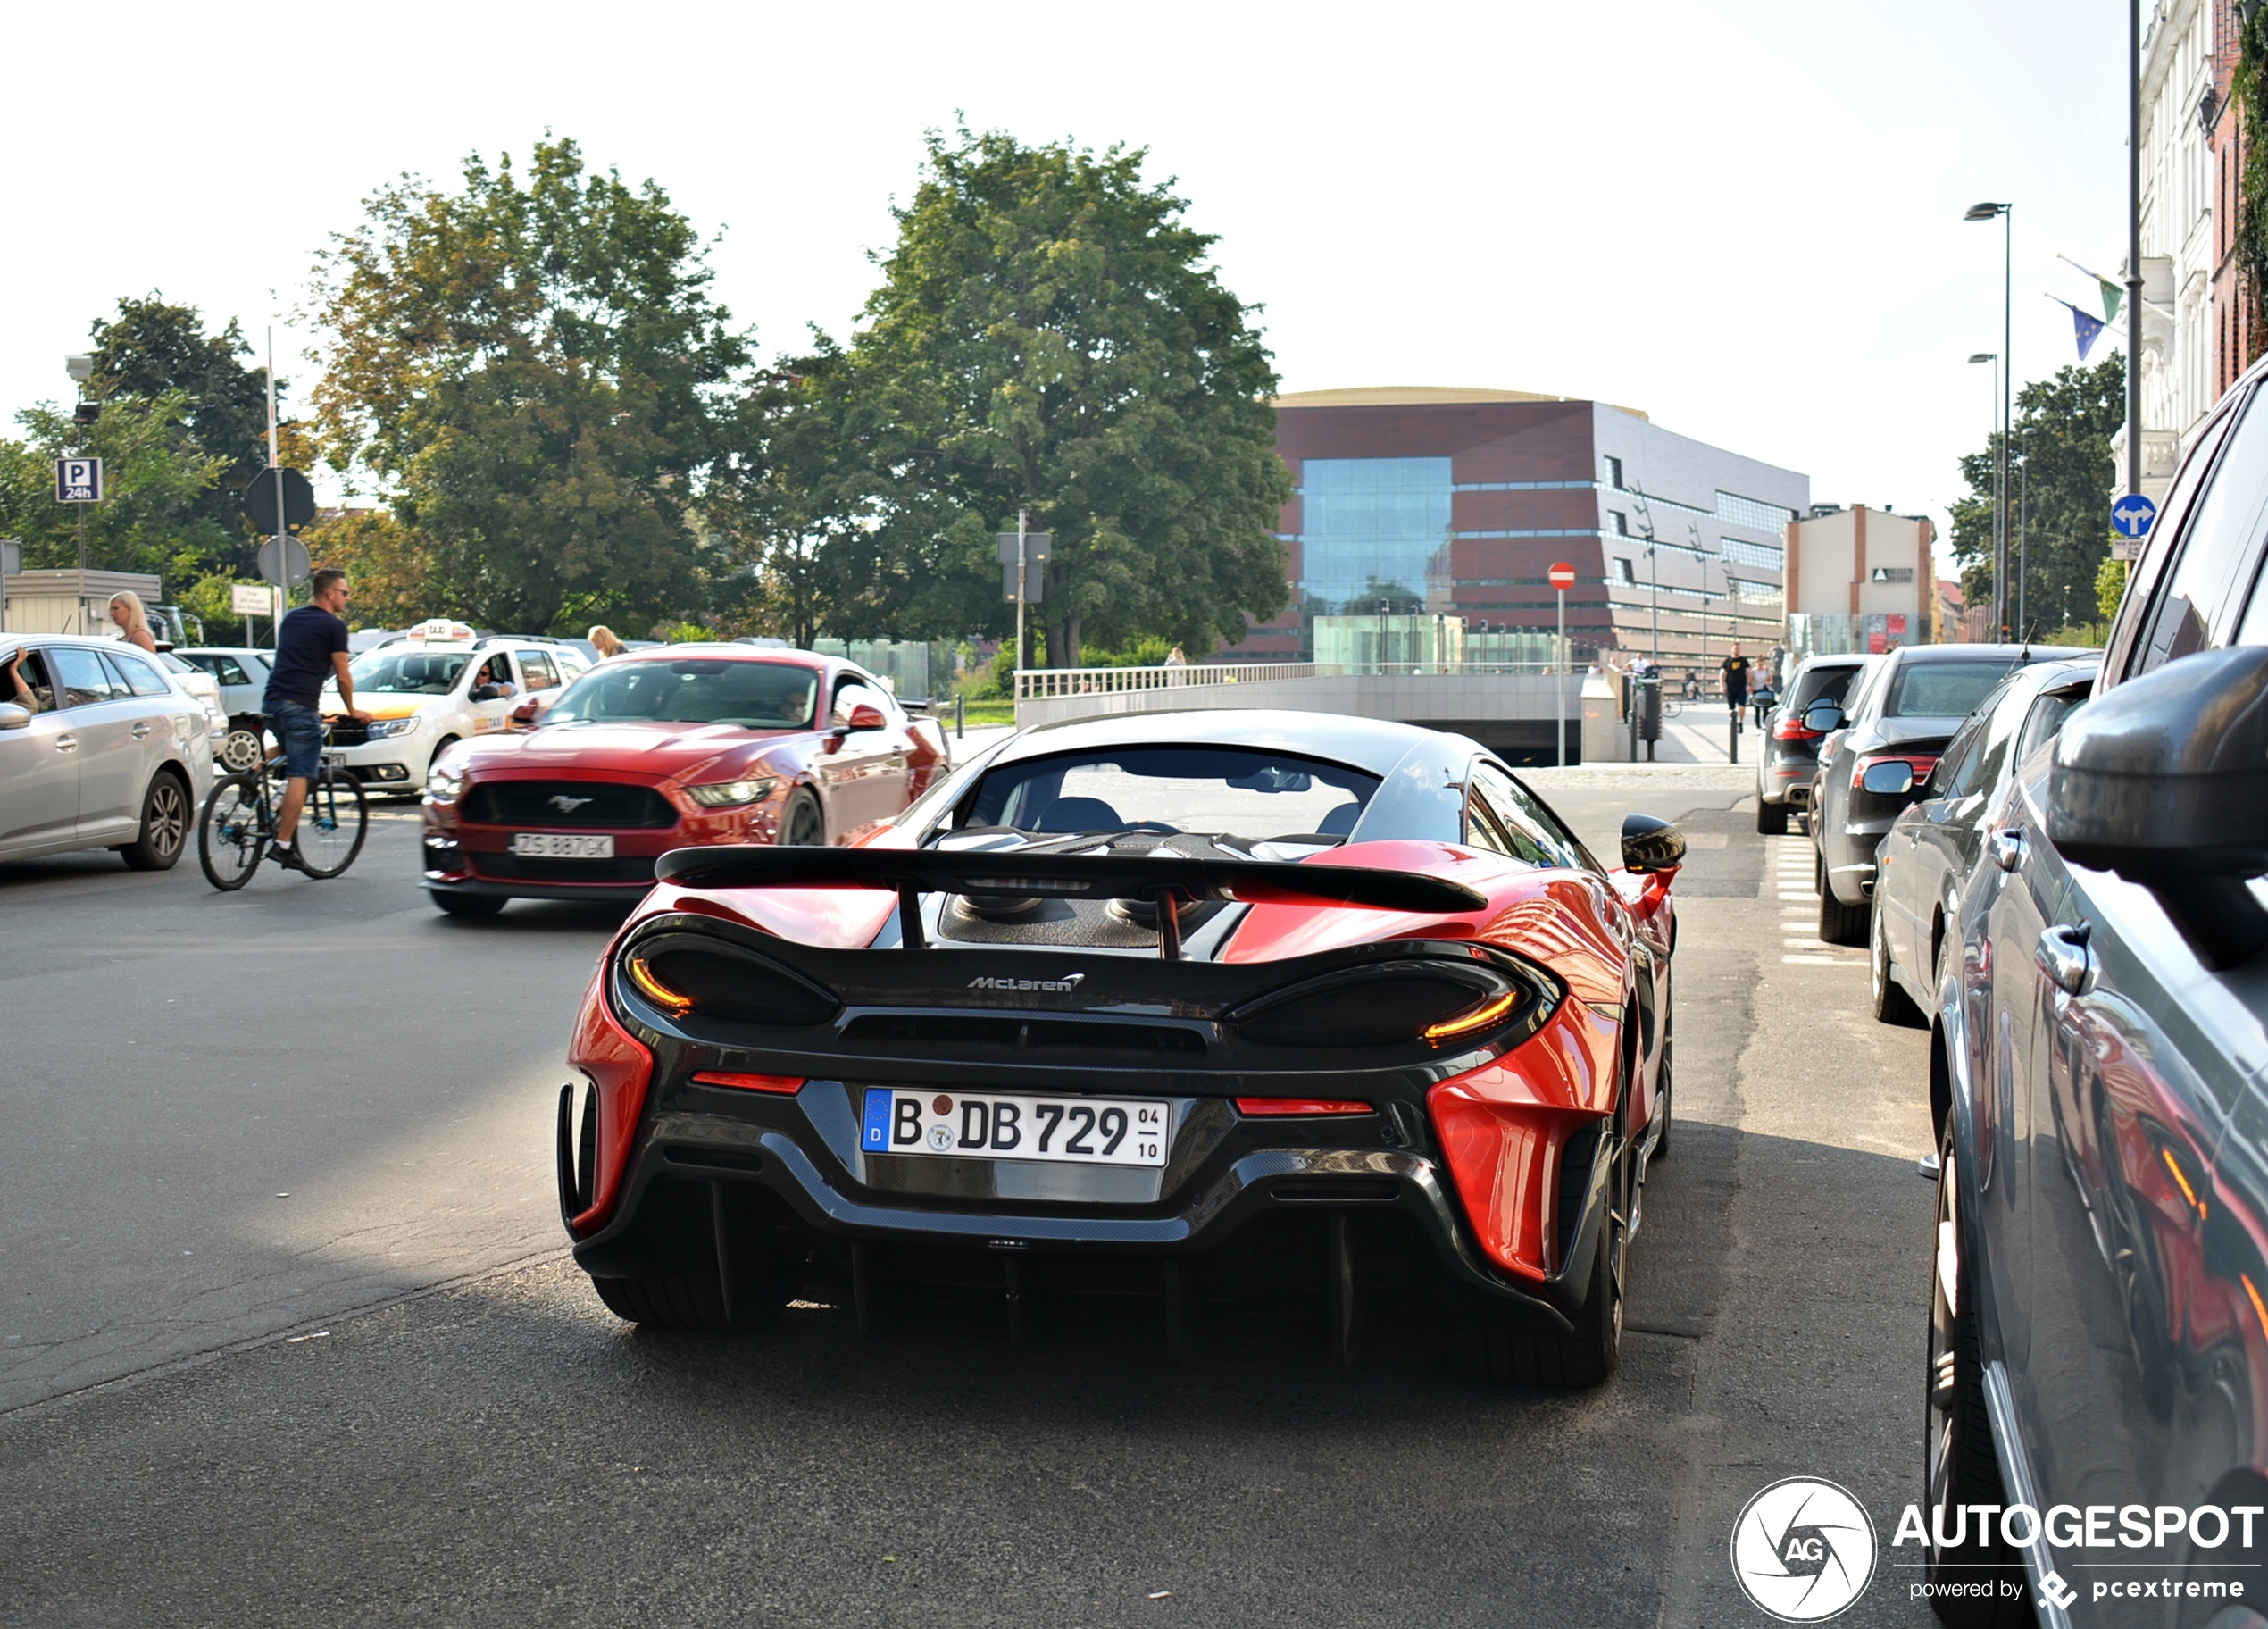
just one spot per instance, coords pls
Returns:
(2113, 295)
(2085, 327)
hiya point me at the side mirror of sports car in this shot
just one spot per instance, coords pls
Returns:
(1823, 717)
(865, 716)
(2164, 781)
(1651, 845)
(525, 716)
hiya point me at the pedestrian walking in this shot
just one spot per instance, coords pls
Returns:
(310, 648)
(1177, 666)
(126, 611)
(1736, 669)
(603, 641)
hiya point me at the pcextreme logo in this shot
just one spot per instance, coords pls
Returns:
(1802, 1549)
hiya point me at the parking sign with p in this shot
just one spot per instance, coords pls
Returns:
(79, 481)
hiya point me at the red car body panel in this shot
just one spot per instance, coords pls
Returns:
(620, 1069)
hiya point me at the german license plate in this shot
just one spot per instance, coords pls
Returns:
(987, 1126)
(559, 845)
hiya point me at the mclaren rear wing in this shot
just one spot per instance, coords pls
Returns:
(910, 874)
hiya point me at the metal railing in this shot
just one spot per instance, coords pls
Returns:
(1039, 684)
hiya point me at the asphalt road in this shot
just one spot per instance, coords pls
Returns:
(287, 1335)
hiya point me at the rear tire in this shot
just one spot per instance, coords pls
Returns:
(467, 905)
(231, 834)
(1771, 818)
(1839, 923)
(1891, 1004)
(1958, 1465)
(165, 826)
(1504, 1353)
(692, 1301)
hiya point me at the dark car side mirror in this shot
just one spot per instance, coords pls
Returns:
(2164, 781)
(1823, 717)
(490, 692)
(1651, 845)
(1894, 779)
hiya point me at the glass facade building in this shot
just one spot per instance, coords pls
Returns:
(1375, 534)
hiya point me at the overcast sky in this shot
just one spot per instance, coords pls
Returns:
(1741, 215)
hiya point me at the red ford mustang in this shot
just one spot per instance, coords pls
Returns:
(685, 746)
(1207, 1006)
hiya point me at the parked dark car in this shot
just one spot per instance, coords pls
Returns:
(1790, 755)
(1932, 849)
(1904, 711)
(2099, 1326)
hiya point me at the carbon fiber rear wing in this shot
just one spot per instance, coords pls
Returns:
(910, 874)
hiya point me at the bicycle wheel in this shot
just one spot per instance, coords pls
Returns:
(231, 832)
(333, 826)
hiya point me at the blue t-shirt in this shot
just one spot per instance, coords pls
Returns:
(303, 648)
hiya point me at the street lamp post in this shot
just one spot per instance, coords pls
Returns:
(2006, 213)
(1994, 358)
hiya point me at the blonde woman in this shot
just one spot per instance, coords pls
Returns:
(603, 641)
(126, 611)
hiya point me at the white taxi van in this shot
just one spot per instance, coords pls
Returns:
(439, 684)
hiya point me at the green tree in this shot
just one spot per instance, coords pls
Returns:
(1048, 336)
(2061, 473)
(155, 482)
(152, 348)
(532, 374)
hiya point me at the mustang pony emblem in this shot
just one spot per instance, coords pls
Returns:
(566, 804)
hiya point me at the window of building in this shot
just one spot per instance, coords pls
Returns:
(1622, 522)
(1623, 571)
(1372, 529)
(1614, 473)
(1751, 511)
(1743, 553)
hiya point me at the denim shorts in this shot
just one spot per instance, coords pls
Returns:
(300, 728)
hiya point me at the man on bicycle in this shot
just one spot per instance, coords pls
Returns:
(1735, 669)
(311, 647)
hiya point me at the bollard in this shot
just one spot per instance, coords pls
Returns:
(960, 716)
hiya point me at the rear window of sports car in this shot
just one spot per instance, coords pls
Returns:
(748, 694)
(1234, 791)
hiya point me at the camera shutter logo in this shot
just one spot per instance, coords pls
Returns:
(1802, 1549)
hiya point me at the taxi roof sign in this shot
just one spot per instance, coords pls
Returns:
(442, 630)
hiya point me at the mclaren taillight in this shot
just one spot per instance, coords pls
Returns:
(673, 1002)
(1302, 1106)
(684, 973)
(1480, 1018)
(1420, 1002)
(1923, 763)
(786, 1085)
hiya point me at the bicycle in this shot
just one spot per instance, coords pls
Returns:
(239, 820)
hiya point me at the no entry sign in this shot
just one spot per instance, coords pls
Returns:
(1563, 576)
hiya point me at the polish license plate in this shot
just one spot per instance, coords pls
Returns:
(988, 1125)
(559, 845)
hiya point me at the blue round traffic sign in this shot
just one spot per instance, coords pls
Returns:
(2132, 515)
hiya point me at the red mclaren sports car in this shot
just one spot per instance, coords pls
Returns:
(686, 745)
(1202, 1007)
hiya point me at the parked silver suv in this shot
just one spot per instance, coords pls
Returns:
(99, 749)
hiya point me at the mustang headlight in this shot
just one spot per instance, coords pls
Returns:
(444, 785)
(727, 794)
(380, 728)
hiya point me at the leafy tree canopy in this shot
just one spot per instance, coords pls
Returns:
(155, 480)
(531, 372)
(2061, 473)
(153, 347)
(1048, 335)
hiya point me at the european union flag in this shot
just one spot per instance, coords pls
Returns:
(2086, 329)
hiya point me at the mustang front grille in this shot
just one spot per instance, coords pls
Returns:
(568, 803)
